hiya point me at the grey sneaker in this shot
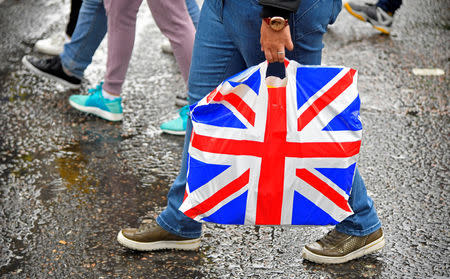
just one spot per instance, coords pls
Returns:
(150, 236)
(336, 247)
(181, 99)
(380, 19)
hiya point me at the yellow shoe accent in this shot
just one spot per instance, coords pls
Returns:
(381, 29)
(350, 10)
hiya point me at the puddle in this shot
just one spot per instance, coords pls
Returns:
(72, 167)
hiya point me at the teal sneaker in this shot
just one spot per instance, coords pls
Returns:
(95, 103)
(177, 126)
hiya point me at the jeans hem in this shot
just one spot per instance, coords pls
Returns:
(360, 232)
(170, 229)
(67, 66)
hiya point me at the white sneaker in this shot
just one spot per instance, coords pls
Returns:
(53, 45)
(166, 48)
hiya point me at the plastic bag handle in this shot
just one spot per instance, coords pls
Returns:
(288, 65)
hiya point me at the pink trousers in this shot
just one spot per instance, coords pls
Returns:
(172, 18)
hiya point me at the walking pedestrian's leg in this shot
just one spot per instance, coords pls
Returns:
(68, 67)
(121, 33)
(360, 233)
(307, 50)
(365, 220)
(174, 22)
(194, 11)
(73, 17)
(307, 27)
(87, 36)
(104, 100)
(54, 44)
(214, 58)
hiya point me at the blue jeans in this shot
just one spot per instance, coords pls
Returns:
(227, 42)
(194, 11)
(389, 5)
(89, 33)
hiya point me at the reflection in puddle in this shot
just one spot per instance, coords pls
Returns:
(72, 167)
(369, 266)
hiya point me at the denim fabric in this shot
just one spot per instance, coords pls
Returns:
(365, 220)
(389, 5)
(194, 11)
(227, 42)
(171, 219)
(89, 33)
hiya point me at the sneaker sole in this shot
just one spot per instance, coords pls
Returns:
(30, 66)
(192, 244)
(177, 133)
(365, 250)
(362, 18)
(98, 112)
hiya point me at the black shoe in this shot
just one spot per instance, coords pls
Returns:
(51, 68)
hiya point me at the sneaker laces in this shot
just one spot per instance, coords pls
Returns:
(332, 237)
(145, 225)
(184, 112)
(97, 89)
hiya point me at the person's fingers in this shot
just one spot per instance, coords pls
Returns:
(268, 55)
(274, 56)
(290, 45)
(280, 56)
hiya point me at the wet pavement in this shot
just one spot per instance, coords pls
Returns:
(70, 181)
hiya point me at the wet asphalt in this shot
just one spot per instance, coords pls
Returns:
(69, 181)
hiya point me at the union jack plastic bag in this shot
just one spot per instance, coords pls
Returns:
(266, 151)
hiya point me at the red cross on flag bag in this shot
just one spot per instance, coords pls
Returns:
(271, 151)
